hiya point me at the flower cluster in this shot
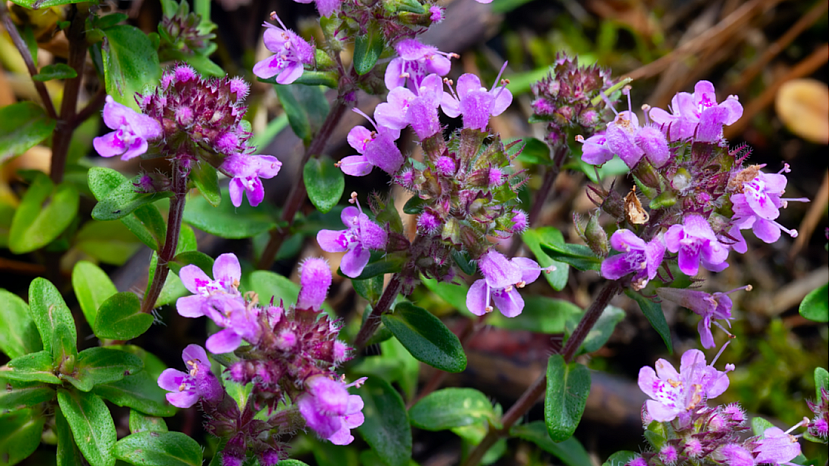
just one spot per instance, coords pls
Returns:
(693, 432)
(700, 196)
(289, 353)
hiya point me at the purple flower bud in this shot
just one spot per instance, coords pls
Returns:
(429, 222)
(198, 383)
(315, 279)
(132, 132)
(324, 7)
(637, 257)
(436, 14)
(269, 458)
(291, 53)
(286, 340)
(735, 413)
(240, 87)
(693, 448)
(519, 220)
(445, 166)
(341, 351)
(668, 454)
(638, 461)
(184, 116)
(184, 73)
(495, 177)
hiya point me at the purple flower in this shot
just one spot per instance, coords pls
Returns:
(708, 306)
(315, 279)
(415, 61)
(376, 148)
(621, 138)
(757, 204)
(501, 279)
(227, 273)
(419, 110)
(357, 239)
(246, 171)
(436, 14)
(638, 257)
(325, 7)
(197, 383)
(291, 52)
(474, 103)
(736, 455)
(696, 244)
(698, 114)
(776, 447)
(132, 131)
(330, 410)
(238, 320)
(595, 149)
(674, 394)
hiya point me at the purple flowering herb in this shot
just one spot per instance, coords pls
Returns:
(499, 287)
(621, 138)
(361, 235)
(696, 244)
(757, 202)
(415, 61)
(376, 148)
(291, 53)
(226, 272)
(709, 306)
(418, 109)
(315, 279)
(239, 321)
(197, 383)
(330, 410)
(436, 14)
(777, 447)
(595, 149)
(132, 133)
(638, 257)
(675, 393)
(698, 115)
(736, 455)
(247, 171)
(818, 426)
(324, 7)
(475, 103)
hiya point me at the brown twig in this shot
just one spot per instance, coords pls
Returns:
(371, 324)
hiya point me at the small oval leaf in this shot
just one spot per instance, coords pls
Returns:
(567, 391)
(159, 449)
(385, 427)
(452, 407)
(91, 424)
(426, 337)
(120, 318)
(324, 182)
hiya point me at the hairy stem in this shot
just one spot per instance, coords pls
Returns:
(370, 325)
(171, 241)
(532, 394)
(298, 192)
(76, 34)
(93, 106)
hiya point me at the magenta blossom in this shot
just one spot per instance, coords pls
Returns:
(674, 394)
(330, 410)
(415, 61)
(696, 244)
(595, 149)
(757, 205)
(698, 115)
(197, 383)
(132, 132)
(419, 110)
(376, 148)
(501, 279)
(291, 53)
(474, 103)
(239, 321)
(637, 257)
(325, 7)
(315, 279)
(225, 285)
(776, 447)
(709, 306)
(246, 171)
(361, 235)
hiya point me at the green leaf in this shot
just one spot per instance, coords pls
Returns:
(822, 380)
(570, 451)
(759, 425)
(56, 71)
(567, 391)
(370, 289)
(20, 433)
(37, 4)
(92, 287)
(91, 425)
(139, 422)
(324, 182)
(385, 428)
(109, 242)
(601, 331)
(123, 200)
(533, 238)
(620, 458)
(199, 259)
(18, 334)
(64, 350)
(68, 453)
(130, 63)
(654, 313)
(100, 365)
(43, 214)
(452, 407)
(269, 285)
(139, 391)
(815, 305)
(306, 107)
(290, 462)
(120, 318)
(159, 449)
(35, 367)
(16, 395)
(426, 337)
(540, 314)
(25, 124)
(576, 255)
(367, 49)
(227, 221)
(534, 152)
(48, 311)
(414, 206)
(207, 180)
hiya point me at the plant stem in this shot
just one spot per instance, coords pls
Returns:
(298, 192)
(370, 325)
(532, 394)
(171, 240)
(91, 108)
(559, 156)
(28, 60)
